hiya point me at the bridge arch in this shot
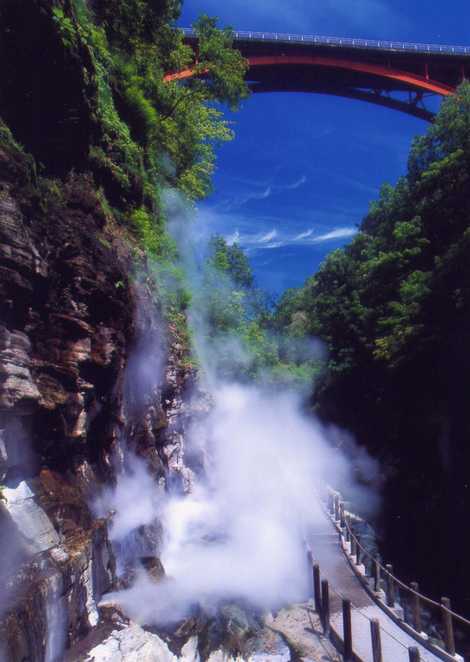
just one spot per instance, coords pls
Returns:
(418, 85)
(414, 80)
(364, 70)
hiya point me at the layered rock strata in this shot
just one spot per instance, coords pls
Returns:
(72, 401)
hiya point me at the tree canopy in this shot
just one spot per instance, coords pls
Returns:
(375, 301)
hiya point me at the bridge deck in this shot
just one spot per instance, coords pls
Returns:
(345, 42)
(394, 74)
(343, 583)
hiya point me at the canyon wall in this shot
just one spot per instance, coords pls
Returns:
(73, 311)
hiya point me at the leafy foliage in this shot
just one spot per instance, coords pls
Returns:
(394, 309)
(151, 133)
(239, 327)
(376, 300)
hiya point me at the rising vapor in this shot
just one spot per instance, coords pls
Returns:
(240, 533)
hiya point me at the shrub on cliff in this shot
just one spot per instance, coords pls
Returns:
(100, 100)
(399, 288)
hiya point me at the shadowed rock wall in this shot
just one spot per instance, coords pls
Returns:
(70, 400)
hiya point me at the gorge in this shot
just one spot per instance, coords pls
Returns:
(163, 429)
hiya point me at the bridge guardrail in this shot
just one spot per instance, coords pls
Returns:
(416, 613)
(367, 44)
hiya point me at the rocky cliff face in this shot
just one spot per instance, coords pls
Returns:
(74, 328)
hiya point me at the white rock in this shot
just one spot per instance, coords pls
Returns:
(189, 652)
(132, 644)
(91, 607)
(31, 521)
(222, 656)
(283, 656)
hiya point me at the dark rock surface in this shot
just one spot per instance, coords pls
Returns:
(70, 319)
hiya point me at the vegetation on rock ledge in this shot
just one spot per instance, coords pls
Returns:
(97, 103)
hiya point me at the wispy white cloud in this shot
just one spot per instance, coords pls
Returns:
(235, 202)
(257, 234)
(263, 195)
(275, 239)
(304, 235)
(339, 233)
(233, 238)
(269, 236)
(291, 187)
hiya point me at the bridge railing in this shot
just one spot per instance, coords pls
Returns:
(434, 624)
(343, 42)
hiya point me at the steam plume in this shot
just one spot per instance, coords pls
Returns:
(240, 533)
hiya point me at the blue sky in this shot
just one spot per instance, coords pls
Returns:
(303, 168)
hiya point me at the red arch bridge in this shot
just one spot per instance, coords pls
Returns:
(398, 75)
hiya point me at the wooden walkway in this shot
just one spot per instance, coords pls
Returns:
(343, 583)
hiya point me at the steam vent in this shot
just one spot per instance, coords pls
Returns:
(234, 331)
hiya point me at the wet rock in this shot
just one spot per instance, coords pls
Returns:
(34, 526)
(267, 646)
(140, 548)
(3, 457)
(67, 333)
(189, 652)
(300, 627)
(154, 568)
(52, 590)
(17, 388)
(237, 623)
(229, 631)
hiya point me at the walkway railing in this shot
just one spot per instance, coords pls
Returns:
(414, 612)
(346, 42)
(343, 639)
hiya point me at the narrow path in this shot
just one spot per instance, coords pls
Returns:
(343, 583)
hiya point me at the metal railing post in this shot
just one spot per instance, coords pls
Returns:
(353, 546)
(331, 503)
(376, 641)
(448, 626)
(390, 586)
(358, 551)
(376, 574)
(316, 588)
(416, 607)
(347, 631)
(414, 654)
(325, 602)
